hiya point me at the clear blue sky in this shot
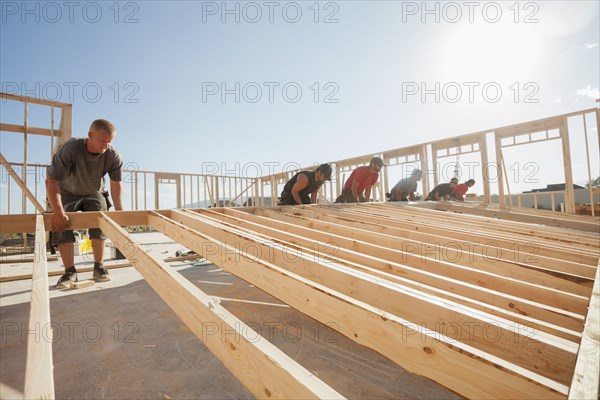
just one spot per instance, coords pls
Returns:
(359, 66)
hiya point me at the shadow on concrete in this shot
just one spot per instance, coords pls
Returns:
(126, 343)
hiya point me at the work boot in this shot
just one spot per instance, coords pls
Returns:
(67, 279)
(101, 274)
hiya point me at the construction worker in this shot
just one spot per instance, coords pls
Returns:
(361, 181)
(461, 189)
(305, 183)
(405, 188)
(442, 191)
(74, 183)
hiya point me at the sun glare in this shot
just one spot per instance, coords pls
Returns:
(492, 53)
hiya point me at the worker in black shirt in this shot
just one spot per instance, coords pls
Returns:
(442, 191)
(303, 184)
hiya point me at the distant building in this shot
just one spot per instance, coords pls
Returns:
(554, 188)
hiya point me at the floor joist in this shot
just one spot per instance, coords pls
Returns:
(426, 353)
(39, 373)
(483, 326)
(261, 367)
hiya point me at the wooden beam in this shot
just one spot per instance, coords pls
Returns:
(79, 220)
(568, 168)
(30, 129)
(518, 249)
(32, 100)
(413, 305)
(499, 173)
(483, 274)
(499, 304)
(39, 372)
(87, 269)
(586, 379)
(562, 242)
(545, 124)
(590, 227)
(578, 247)
(452, 365)
(550, 274)
(259, 365)
(66, 123)
(21, 184)
(424, 167)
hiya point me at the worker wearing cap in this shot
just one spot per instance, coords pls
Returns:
(297, 189)
(461, 189)
(361, 181)
(442, 191)
(405, 188)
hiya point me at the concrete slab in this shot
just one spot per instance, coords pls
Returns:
(118, 339)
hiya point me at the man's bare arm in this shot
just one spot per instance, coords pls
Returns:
(368, 193)
(313, 196)
(60, 220)
(116, 191)
(354, 190)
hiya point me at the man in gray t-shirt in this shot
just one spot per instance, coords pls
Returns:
(74, 183)
(405, 188)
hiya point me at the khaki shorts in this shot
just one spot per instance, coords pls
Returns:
(71, 203)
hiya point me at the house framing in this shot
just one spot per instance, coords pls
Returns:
(490, 301)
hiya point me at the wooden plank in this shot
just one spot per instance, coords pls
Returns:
(589, 171)
(483, 274)
(549, 273)
(564, 241)
(25, 195)
(533, 219)
(39, 372)
(453, 365)
(82, 284)
(542, 353)
(66, 123)
(499, 304)
(443, 231)
(260, 366)
(79, 220)
(11, 278)
(354, 161)
(397, 263)
(5, 260)
(17, 223)
(30, 129)
(32, 100)
(526, 246)
(575, 246)
(530, 127)
(21, 184)
(424, 167)
(586, 379)
(404, 151)
(568, 169)
(577, 262)
(573, 239)
(499, 171)
(485, 166)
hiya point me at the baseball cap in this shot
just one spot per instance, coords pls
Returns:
(378, 161)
